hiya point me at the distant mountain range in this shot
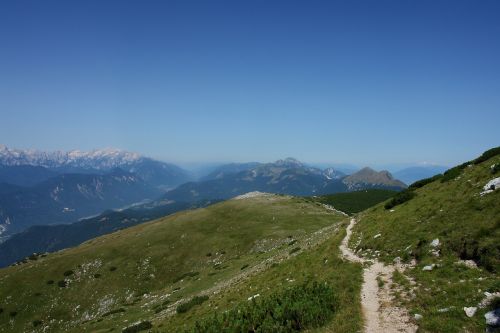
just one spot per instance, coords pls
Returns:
(68, 197)
(288, 176)
(25, 167)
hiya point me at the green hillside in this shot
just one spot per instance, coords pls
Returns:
(145, 272)
(467, 225)
(355, 202)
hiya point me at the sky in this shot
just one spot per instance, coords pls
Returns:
(361, 82)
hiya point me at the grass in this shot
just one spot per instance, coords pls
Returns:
(355, 202)
(294, 309)
(134, 268)
(467, 226)
(319, 264)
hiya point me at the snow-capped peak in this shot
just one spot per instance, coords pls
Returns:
(97, 159)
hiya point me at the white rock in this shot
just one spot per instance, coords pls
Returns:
(429, 267)
(418, 316)
(491, 186)
(377, 236)
(493, 318)
(435, 242)
(470, 311)
(254, 296)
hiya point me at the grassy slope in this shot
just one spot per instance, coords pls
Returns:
(139, 267)
(355, 202)
(463, 221)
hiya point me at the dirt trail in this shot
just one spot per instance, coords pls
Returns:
(379, 310)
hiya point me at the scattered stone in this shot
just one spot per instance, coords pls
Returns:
(435, 242)
(467, 263)
(488, 298)
(254, 296)
(443, 310)
(493, 318)
(470, 311)
(377, 236)
(418, 316)
(429, 267)
(491, 186)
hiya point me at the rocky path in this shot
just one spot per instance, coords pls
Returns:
(379, 309)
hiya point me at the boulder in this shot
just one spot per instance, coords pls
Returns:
(493, 318)
(470, 311)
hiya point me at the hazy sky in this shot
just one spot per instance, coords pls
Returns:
(365, 82)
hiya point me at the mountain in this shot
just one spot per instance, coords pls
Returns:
(413, 174)
(227, 169)
(287, 176)
(154, 172)
(50, 238)
(264, 262)
(66, 198)
(369, 178)
(24, 175)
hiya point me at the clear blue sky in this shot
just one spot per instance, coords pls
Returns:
(366, 82)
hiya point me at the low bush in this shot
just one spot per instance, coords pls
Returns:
(296, 309)
(400, 198)
(50, 282)
(185, 307)
(68, 273)
(137, 327)
(97, 275)
(62, 283)
(495, 168)
(185, 275)
(423, 182)
(454, 172)
(1, 310)
(244, 266)
(295, 249)
(37, 323)
(13, 313)
(109, 313)
(487, 155)
(112, 269)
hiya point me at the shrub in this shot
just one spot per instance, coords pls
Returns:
(295, 249)
(13, 313)
(50, 282)
(296, 309)
(97, 275)
(185, 275)
(112, 269)
(244, 266)
(423, 182)
(454, 172)
(487, 155)
(62, 283)
(495, 168)
(68, 273)
(185, 307)
(1, 310)
(109, 313)
(37, 322)
(400, 198)
(137, 327)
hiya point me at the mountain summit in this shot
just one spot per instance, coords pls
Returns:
(369, 177)
(154, 172)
